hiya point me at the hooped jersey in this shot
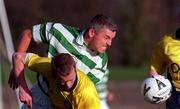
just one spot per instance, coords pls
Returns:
(83, 96)
(166, 58)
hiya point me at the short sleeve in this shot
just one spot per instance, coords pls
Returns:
(41, 33)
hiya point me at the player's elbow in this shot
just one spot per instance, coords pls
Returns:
(27, 33)
(18, 56)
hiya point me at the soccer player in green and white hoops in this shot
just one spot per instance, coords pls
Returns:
(88, 46)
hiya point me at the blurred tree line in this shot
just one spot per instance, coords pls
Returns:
(141, 23)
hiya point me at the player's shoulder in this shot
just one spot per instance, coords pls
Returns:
(165, 41)
(84, 83)
(83, 77)
(75, 31)
(171, 44)
(68, 27)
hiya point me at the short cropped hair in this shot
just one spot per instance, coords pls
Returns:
(101, 20)
(177, 33)
(61, 64)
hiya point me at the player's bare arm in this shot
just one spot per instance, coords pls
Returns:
(24, 41)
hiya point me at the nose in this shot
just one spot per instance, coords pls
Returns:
(109, 42)
(68, 85)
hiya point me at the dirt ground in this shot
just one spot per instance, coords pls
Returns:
(126, 96)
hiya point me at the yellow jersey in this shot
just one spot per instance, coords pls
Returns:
(83, 96)
(166, 57)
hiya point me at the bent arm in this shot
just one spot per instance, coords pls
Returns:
(24, 41)
(18, 67)
(159, 60)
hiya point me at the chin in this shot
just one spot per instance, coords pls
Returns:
(101, 51)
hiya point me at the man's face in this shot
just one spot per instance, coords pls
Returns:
(67, 81)
(102, 39)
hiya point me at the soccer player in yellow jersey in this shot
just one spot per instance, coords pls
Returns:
(166, 58)
(68, 88)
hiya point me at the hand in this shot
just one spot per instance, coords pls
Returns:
(110, 96)
(13, 80)
(25, 96)
(152, 73)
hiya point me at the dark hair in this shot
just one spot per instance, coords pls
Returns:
(61, 64)
(177, 34)
(101, 20)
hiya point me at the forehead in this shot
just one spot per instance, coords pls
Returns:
(107, 32)
(68, 77)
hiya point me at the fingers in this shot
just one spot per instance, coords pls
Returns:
(28, 102)
(25, 96)
(10, 80)
(13, 81)
(15, 85)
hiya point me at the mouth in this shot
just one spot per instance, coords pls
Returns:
(105, 47)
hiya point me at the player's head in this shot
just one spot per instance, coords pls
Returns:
(177, 34)
(100, 33)
(64, 70)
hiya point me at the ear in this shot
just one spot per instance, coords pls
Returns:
(91, 32)
(74, 67)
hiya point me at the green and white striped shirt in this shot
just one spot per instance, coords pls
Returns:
(66, 39)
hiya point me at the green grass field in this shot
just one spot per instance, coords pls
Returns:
(128, 73)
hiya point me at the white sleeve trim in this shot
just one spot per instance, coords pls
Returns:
(36, 33)
(27, 57)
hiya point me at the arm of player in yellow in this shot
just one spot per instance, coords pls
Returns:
(38, 64)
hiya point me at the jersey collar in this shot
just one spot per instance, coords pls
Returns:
(80, 38)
